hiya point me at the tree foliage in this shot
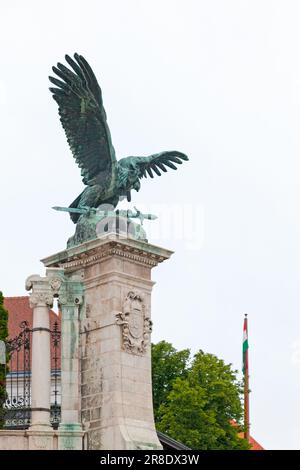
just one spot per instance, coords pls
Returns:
(167, 365)
(196, 401)
(3, 337)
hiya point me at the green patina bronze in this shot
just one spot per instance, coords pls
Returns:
(94, 223)
(83, 118)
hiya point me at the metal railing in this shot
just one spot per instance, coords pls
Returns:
(18, 379)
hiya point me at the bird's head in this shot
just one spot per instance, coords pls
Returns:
(128, 175)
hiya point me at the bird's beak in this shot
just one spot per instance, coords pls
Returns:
(137, 186)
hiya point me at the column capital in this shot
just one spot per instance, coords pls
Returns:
(71, 300)
(41, 295)
(71, 293)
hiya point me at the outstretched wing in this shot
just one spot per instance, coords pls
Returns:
(157, 163)
(83, 117)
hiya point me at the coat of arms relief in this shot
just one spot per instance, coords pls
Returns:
(135, 322)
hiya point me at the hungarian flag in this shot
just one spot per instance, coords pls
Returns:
(245, 346)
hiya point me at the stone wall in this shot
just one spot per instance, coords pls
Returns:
(23, 440)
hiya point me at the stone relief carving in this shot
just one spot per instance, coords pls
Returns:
(136, 323)
(68, 443)
(42, 442)
(55, 284)
(40, 298)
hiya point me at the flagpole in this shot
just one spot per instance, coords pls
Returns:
(246, 383)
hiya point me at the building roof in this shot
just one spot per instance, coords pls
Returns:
(18, 311)
(170, 444)
(253, 443)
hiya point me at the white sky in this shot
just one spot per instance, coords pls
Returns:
(218, 80)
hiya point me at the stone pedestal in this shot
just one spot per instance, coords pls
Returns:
(115, 328)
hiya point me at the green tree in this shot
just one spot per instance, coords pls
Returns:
(199, 403)
(3, 337)
(167, 365)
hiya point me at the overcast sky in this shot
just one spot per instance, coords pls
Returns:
(218, 80)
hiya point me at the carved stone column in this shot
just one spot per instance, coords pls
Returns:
(116, 390)
(40, 301)
(70, 429)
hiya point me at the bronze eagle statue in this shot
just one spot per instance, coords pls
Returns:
(83, 118)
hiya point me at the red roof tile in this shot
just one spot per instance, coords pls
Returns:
(254, 444)
(19, 311)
